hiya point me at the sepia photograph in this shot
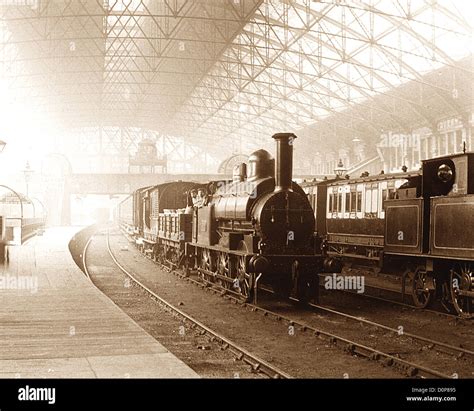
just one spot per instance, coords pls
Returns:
(253, 200)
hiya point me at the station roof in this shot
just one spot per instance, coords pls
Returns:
(227, 74)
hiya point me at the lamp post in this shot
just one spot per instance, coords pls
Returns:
(340, 170)
(28, 172)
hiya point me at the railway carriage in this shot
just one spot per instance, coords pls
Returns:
(355, 214)
(130, 212)
(124, 215)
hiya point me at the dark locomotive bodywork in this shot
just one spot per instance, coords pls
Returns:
(439, 239)
(440, 221)
(452, 227)
(418, 226)
(259, 226)
(255, 227)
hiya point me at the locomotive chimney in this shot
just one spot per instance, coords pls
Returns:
(284, 161)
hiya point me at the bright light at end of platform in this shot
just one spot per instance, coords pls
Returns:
(28, 133)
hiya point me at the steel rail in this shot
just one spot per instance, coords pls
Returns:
(399, 303)
(457, 350)
(84, 261)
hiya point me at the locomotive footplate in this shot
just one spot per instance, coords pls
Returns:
(267, 263)
(288, 275)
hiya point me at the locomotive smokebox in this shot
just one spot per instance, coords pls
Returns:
(284, 161)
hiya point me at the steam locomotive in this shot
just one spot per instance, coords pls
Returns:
(257, 228)
(416, 226)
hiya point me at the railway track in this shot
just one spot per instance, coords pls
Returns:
(458, 351)
(439, 313)
(257, 364)
(408, 368)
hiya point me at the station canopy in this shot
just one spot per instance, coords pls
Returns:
(227, 74)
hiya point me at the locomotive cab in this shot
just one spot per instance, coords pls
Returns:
(448, 188)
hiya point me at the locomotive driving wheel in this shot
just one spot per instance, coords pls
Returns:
(243, 283)
(206, 265)
(462, 289)
(421, 290)
(225, 269)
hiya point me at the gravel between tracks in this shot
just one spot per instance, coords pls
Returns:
(427, 324)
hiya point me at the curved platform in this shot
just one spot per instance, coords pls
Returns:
(56, 324)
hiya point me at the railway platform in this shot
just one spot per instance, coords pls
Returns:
(56, 324)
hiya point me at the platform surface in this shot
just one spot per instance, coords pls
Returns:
(55, 324)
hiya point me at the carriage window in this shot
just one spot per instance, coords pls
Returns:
(368, 201)
(371, 201)
(335, 202)
(348, 202)
(339, 202)
(384, 197)
(359, 201)
(375, 198)
(353, 201)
